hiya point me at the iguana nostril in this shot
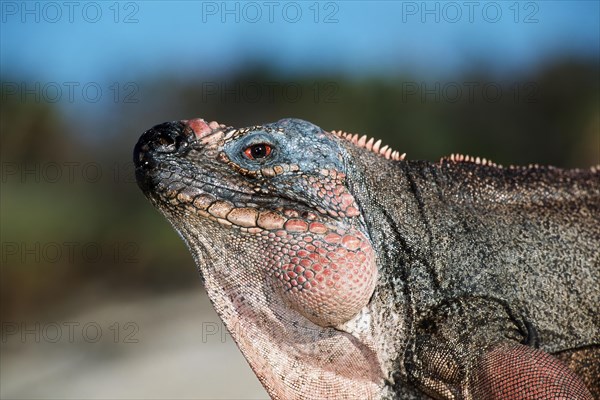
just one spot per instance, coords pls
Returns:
(170, 143)
(165, 143)
(168, 138)
(164, 138)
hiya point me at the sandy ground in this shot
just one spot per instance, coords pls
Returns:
(172, 346)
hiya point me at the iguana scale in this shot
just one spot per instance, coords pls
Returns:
(344, 271)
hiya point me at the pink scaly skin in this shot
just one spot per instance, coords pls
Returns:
(331, 297)
(507, 369)
(326, 275)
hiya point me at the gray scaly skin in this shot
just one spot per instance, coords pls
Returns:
(343, 271)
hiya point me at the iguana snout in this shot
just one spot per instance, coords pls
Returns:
(162, 139)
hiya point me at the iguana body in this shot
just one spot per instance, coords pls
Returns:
(344, 271)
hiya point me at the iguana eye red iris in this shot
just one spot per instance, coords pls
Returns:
(258, 151)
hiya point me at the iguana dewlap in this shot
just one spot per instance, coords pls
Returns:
(344, 271)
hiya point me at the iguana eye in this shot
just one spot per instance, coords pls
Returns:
(258, 151)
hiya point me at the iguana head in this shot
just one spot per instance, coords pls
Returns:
(270, 219)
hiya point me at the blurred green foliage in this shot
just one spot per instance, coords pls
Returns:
(548, 116)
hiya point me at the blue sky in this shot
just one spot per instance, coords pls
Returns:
(132, 40)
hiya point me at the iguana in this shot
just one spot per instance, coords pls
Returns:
(345, 271)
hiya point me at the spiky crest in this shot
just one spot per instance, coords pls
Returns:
(463, 158)
(370, 144)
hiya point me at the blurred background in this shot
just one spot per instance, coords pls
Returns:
(99, 297)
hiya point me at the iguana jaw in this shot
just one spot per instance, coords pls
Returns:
(275, 275)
